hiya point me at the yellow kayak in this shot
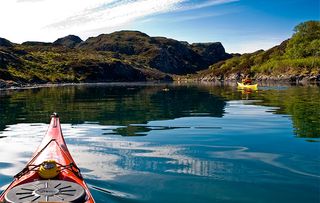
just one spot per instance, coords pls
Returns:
(254, 87)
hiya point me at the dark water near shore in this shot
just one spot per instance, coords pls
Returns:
(175, 143)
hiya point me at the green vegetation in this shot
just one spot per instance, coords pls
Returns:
(297, 66)
(305, 42)
(55, 64)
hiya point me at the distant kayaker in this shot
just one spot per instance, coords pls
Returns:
(247, 81)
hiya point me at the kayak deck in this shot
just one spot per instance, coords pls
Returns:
(51, 152)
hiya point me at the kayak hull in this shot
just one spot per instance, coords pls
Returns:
(241, 85)
(52, 147)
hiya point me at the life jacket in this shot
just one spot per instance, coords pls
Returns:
(246, 81)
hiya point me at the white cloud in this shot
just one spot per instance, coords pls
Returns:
(208, 3)
(187, 17)
(115, 14)
(46, 20)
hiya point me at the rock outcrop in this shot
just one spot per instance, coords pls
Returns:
(5, 43)
(211, 52)
(69, 41)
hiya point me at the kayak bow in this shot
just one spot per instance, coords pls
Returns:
(51, 175)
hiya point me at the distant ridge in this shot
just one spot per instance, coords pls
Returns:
(35, 43)
(135, 56)
(119, 56)
(164, 54)
(69, 41)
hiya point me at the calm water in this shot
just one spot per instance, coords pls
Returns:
(174, 143)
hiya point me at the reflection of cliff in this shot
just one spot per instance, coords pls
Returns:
(109, 105)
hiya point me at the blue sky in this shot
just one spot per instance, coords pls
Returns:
(241, 25)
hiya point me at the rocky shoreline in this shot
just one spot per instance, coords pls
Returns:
(261, 79)
(292, 79)
(4, 84)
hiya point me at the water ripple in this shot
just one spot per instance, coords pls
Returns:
(238, 153)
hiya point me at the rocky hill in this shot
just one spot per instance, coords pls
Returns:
(69, 41)
(294, 60)
(163, 54)
(210, 52)
(119, 56)
(5, 43)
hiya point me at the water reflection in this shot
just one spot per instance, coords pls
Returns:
(119, 105)
(210, 148)
(106, 157)
(129, 104)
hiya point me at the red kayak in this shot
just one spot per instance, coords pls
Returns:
(51, 175)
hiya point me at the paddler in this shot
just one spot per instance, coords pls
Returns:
(247, 81)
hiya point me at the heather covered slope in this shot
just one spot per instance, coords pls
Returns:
(166, 55)
(119, 56)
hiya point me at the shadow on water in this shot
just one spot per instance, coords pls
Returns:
(142, 130)
(132, 131)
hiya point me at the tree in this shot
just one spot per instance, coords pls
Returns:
(305, 41)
